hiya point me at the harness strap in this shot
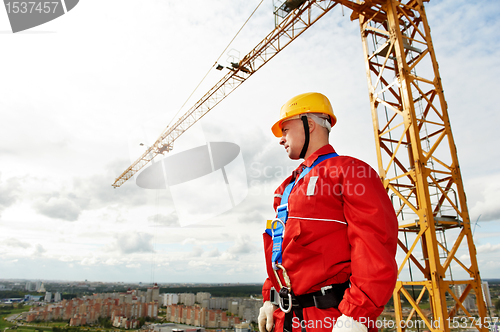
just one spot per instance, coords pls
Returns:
(307, 136)
(278, 233)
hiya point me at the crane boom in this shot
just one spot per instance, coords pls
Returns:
(288, 30)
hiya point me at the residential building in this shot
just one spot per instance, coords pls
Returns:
(200, 296)
(88, 310)
(170, 298)
(486, 294)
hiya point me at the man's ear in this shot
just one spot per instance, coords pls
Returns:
(312, 124)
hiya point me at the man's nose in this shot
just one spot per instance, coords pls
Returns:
(282, 140)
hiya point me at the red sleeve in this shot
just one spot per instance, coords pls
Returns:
(266, 290)
(372, 231)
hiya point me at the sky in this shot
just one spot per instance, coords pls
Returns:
(80, 93)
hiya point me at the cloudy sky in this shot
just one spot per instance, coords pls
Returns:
(80, 93)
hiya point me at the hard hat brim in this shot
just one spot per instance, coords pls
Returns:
(276, 128)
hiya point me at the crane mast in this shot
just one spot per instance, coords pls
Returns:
(417, 157)
(418, 164)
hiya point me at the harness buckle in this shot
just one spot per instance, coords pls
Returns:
(324, 289)
(272, 227)
(285, 291)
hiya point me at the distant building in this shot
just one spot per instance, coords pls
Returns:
(170, 298)
(152, 309)
(87, 310)
(217, 303)
(29, 297)
(188, 299)
(243, 327)
(194, 315)
(48, 297)
(486, 294)
(200, 296)
(41, 289)
(153, 294)
(469, 302)
(57, 297)
(156, 294)
(233, 307)
(30, 286)
(149, 295)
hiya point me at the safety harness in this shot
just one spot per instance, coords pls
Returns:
(329, 296)
(278, 233)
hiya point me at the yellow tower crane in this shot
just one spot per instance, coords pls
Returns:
(417, 157)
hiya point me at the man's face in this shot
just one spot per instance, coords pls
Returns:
(293, 137)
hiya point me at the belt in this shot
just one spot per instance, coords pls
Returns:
(327, 297)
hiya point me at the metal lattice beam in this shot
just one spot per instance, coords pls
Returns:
(417, 159)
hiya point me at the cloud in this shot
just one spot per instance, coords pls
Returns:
(266, 161)
(488, 248)
(58, 207)
(252, 217)
(9, 192)
(39, 250)
(242, 245)
(88, 261)
(213, 253)
(487, 206)
(100, 192)
(83, 193)
(199, 263)
(228, 257)
(196, 252)
(112, 262)
(170, 220)
(132, 243)
(189, 240)
(12, 242)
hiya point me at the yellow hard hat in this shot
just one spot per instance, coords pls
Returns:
(311, 102)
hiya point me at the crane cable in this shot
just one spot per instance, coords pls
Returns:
(215, 63)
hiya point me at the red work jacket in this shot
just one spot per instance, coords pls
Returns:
(341, 226)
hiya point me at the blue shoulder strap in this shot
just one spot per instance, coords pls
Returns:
(282, 212)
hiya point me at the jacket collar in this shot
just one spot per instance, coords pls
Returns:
(326, 149)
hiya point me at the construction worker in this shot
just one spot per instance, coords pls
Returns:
(330, 252)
